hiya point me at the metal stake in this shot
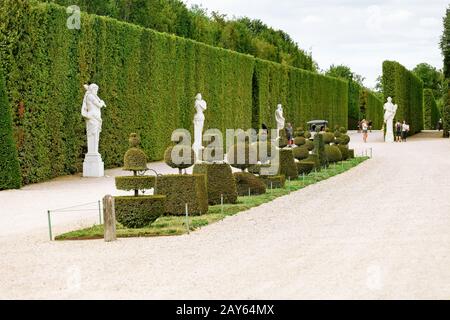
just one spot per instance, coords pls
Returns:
(100, 212)
(221, 203)
(187, 219)
(249, 192)
(49, 225)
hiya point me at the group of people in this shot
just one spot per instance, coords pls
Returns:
(401, 131)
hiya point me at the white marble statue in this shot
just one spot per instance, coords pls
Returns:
(389, 115)
(199, 121)
(279, 118)
(91, 111)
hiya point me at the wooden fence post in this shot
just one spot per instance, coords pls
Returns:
(109, 218)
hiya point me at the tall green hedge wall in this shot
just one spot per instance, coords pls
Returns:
(10, 177)
(354, 92)
(304, 95)
(406, 90)
(148, 80)
(372, 108)
(431, 113)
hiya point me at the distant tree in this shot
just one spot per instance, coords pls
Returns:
(445, 46)
(431, 77)
(344, 72)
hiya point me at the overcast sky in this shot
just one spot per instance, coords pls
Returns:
(359, 33)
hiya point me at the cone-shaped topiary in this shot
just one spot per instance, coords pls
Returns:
(300, 153)
(246, 181)
(319, 151)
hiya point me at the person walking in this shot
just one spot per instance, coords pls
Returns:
(405, 131)
(290, 134)
(365, 130)
(398, 131)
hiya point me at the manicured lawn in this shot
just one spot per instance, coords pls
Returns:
(172, 226)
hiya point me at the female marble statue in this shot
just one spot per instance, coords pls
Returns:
(389, 114)
(279, 118)
(91, 112)
(199, 120)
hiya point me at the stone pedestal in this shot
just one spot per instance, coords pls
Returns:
(389, 138)
(93, 166)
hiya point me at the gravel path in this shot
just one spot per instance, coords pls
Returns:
(379, 231)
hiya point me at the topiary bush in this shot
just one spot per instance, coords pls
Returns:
(299, 141)
(314, 158)
(287, 166)
(351, 154)
(276, 182)
(246, 181)
(309, 145)
(328, 137)
(344, 151)
(319, 151)
(138, 212)
(300, 153)
(180, 166)
(182, 189)
(333, 154)
(282, 141)
(220, 181)
(131, 183)
(305, 167)
(10, 175)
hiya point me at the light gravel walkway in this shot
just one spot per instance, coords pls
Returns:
(381, 230)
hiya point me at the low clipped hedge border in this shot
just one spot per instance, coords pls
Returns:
(128, 183)
(139, 212)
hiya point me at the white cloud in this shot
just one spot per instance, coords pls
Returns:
(358, 33)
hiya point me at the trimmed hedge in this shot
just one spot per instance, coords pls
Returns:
(304, 95)
(372, 109)
(319, 158)
(182, 189)
(288, 168)
(333, 153)
(220, 181)
(148, 81)
(129, 183)
(354, 93)
(406, 90)
(305, 167)
(9, 165)
(276, 182)
(246, 181)
(431, 113)
(138, 212)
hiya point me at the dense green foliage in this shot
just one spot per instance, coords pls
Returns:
(138, 212)
(274, 182)
(371, 108)
(333, 153)
(220, 182)
(406, 90)
(247, 182)
(180, 166)
(446, 113)
(148, 81)
(287, 166)
(304, 95)
(129, 183)
(172, 16)
(431, 78)
(445, 46)
(9, 165)
(305, 167)
(431, 113)
(182, 189)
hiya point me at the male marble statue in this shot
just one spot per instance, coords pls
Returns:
(389, 114)
(279, 119)
(91, 111)
(199, 121)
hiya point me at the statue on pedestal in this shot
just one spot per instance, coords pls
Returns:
(279, 118)
(199, 121)
(389, 114)
(91, 111)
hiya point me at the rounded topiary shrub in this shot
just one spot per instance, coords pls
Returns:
(275, 182)
(343, 130)
(180, 189)
(246, 181)
(344, 151)
(351, 154)
(139, 212)
(300, 153)
(299, 141)
(308, 135)
(129, 183)
(242, 161)
(314, 158)
(309, 145)
(328, 137)
(184, 164)
(299, 132)
(287, 166)
(333, 153)
(305, 167)
(135, 160)
(219, 180)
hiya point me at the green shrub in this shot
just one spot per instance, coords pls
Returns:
(333, 153)
(135, 160)
(287, 166)
(246, 181)
(351, 154)
(314, 158)
(308, 135)
(305, 167)
(299, 132)
(180, 166)
(371, 107)
(344, 151)
(138, 212)
(309, 145)
(431, 113)
(300, 153)
(10, 175)
(129, 183)
(319, 150)
(328, 137)
(283, 141)
(299, 141)
(182, 189)
(276, 182)
(220, 181)
(406, 90)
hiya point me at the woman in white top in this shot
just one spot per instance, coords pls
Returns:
(365, 130)
(405, 130)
